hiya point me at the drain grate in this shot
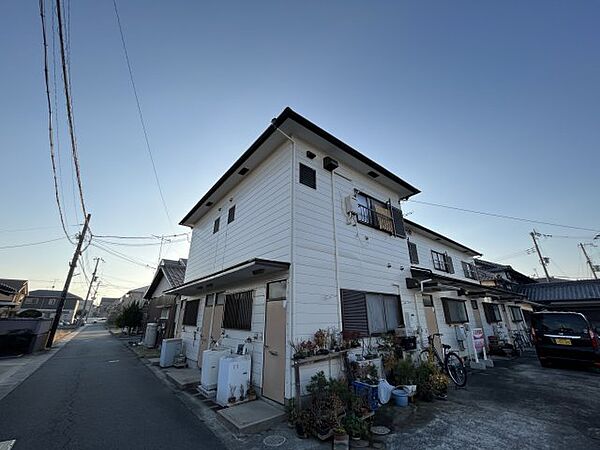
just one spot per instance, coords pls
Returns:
(274, 440)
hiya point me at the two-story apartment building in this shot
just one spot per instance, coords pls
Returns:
(304, 232)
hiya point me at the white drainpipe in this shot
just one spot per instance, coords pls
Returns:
(293, 268)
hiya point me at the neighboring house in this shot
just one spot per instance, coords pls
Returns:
(304, 232)
(500, 275)
(505, 277)
(12, 293)
(579, 295)
(105, 306)
(132, 296)
(46, 302)
(161, 306)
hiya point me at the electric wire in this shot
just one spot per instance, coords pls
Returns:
(503, 216)
(69, 103)
(123, 256)
(141, 116)
(50, 131)
(31, 244)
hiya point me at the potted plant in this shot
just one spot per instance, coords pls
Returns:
(303, 424)
(297, 349)
(353, 426)
(339, 434)
(321, 339)
(292, 413)
(242, 393)
(439, 384)
(251, 392)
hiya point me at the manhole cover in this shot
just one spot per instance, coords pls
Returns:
(274, 440)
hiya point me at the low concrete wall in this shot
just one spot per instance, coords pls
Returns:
(23, 335)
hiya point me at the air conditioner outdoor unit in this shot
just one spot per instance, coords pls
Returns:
(351, 205)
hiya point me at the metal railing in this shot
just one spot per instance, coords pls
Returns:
(375, 219)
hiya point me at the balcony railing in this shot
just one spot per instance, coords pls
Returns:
(375, 219)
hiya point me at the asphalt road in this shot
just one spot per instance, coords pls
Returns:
(516, 405)
(95, 394)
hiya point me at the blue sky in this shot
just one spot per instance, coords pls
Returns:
(490, 106)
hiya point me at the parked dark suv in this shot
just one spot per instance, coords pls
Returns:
(565, 336)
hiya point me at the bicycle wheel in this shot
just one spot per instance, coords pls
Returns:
(455, 368)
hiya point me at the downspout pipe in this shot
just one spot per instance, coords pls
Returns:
(292, 273)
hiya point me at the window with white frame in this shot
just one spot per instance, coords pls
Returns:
(442, 262)
(367, 313)
(516, 314)
(455, 311)
(469, 270)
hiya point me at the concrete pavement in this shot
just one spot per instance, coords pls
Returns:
(95, 394)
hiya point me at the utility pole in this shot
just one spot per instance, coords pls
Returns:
(537, 249)
(87, 296)
(94, 296)
(63, 296)
(589, 261)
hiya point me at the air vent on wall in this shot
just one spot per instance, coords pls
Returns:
(244, 171)
(373, 174)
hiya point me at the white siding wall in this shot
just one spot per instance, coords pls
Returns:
(425, 245)
(256, 333)
(163, 285)
(261, 228)
(368, 259)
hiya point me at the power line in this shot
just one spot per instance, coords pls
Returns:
(69, 104)
(503, 216)
(50, 131)
(139, 108)
(124, 257)
(30, 244)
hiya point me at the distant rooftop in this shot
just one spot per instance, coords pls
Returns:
(47, 293)
(578, 290)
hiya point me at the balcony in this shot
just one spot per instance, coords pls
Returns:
(375, 219)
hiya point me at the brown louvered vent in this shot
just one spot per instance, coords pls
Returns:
(354, 313)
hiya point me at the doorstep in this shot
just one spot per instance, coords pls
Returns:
(251, 417)
(183, 378)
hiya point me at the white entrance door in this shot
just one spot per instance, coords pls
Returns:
(274, 348)
(431, 321)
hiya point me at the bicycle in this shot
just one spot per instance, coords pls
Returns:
(519, 343)
(451, 363)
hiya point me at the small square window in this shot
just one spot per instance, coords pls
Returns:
(216, 225)
(308, 176)
(474, 304)
(231, 214)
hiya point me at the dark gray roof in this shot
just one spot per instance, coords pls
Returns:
(173, 271)
(579, 290)
(488, 270)
(108, 300)
(10, 286)
(41, 293)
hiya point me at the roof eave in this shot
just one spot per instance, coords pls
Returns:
(286, 114)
